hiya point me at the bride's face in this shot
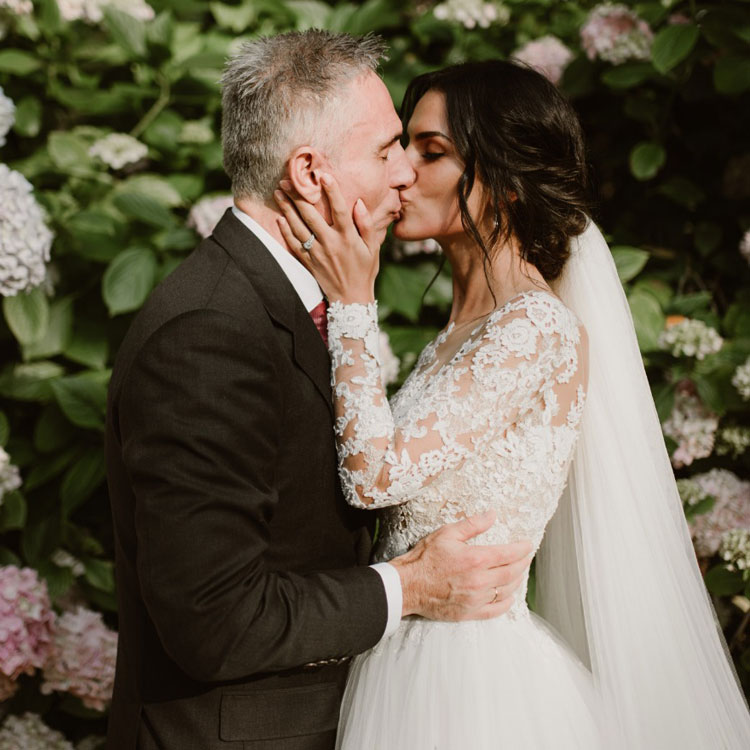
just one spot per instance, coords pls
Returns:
(429, 207)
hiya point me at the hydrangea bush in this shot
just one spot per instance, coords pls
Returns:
(110, 173)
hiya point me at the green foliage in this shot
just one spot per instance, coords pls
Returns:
(667, 142)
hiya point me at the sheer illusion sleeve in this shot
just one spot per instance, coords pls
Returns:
(525, 358)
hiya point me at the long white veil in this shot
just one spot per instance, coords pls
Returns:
(616, 573)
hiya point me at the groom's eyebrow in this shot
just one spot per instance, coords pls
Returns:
(393, 140)
(430, 134)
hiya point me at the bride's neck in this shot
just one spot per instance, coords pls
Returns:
(508, 274)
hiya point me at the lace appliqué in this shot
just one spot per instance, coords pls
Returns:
(493, 427)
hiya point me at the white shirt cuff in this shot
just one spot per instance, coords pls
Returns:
(393, 593)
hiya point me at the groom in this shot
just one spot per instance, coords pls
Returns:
(242, 574)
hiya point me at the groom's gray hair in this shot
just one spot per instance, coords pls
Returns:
(285, 91)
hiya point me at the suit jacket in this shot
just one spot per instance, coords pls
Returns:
(237, 559)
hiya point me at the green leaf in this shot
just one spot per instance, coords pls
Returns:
(52, 432)
(12, 511)
(664, 395)
(89, 345)
(672, 45)
(732, 74)
(27, 315)
(648, 318)
(40, 539)
(629, 261)
(710, 393)
(30, 382)
(682, 191)
(400, 289)
(707, 237)
(144, 208)
(688, 304)
(152, 185)
(82, 399)
(128, 280)
(646, 159)
(48, 468)
(723, 582)
(100, 574)
(627, 75)
(68, 151)
(28, 117)
(4, 429)
(310, 14)
(236, 18)
(126, 30)
(8, 557)
(81, 480)
(58, 332)
(18, 62)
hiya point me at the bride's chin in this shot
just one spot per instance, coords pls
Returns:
(402, 231)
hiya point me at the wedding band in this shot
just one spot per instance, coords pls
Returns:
(494, 598)
(308, 243)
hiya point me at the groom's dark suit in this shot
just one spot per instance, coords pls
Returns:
(237, 559)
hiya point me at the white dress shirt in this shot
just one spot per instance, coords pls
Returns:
(310, 294)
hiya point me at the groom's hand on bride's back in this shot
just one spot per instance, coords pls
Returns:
(444, 578)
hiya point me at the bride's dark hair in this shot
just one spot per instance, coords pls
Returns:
(516, 132)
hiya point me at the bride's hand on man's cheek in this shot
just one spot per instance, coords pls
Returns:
(344, 255)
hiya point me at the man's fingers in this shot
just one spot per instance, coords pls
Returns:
(472, 526)
(499, 555)
(490, 611)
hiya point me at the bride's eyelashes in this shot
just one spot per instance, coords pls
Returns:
(432, 156)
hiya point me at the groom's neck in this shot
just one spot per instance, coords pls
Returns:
(264, 214)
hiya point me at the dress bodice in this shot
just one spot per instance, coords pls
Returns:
(492, 424)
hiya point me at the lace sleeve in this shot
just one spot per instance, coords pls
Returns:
(521, 361)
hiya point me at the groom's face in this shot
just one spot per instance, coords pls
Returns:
(371, 163)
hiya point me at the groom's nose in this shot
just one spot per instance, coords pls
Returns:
(402, 173)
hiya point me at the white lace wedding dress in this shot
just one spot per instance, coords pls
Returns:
(488, 419)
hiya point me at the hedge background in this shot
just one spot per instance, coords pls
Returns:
(667, 124)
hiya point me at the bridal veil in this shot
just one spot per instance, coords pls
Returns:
(616, 574)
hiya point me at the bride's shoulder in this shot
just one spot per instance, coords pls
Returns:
(540, 310)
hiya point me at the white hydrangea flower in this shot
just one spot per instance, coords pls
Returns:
(29, 732)
(734, 440)
(117, 150)
(741, 380)
(691, 338)
(473, 13)
(745, 246)
(17, 7)
(615, 34)
(196, 131)
(63, 559)
(10, 476)
(25, 239)
(389, 362)
(91, 11)
(691, 492)
(205, 214)
(730, 511)
(692, 426)
(7, 115)
(406, 248)
(735, 549)
(547, 54)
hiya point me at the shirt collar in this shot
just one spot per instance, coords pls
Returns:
(300, 278)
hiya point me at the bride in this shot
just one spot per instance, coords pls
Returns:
(532, 401)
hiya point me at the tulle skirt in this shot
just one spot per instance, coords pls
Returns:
(503, 683)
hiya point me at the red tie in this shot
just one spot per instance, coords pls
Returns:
(320, 318)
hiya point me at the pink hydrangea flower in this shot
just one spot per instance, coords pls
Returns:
(548, 55)
(83, 658)
(692, 426)
(26, 621)
(614, 33)
(29, 732)
(205, 214)
(731, 509)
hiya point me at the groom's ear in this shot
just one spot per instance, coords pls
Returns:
(304, 168)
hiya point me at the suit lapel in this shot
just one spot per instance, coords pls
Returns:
(279, 298)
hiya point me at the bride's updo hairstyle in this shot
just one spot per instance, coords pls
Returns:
(514, 131)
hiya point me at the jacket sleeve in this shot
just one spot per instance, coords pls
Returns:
(200, 425)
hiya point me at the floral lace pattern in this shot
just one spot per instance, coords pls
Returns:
(492, 426)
